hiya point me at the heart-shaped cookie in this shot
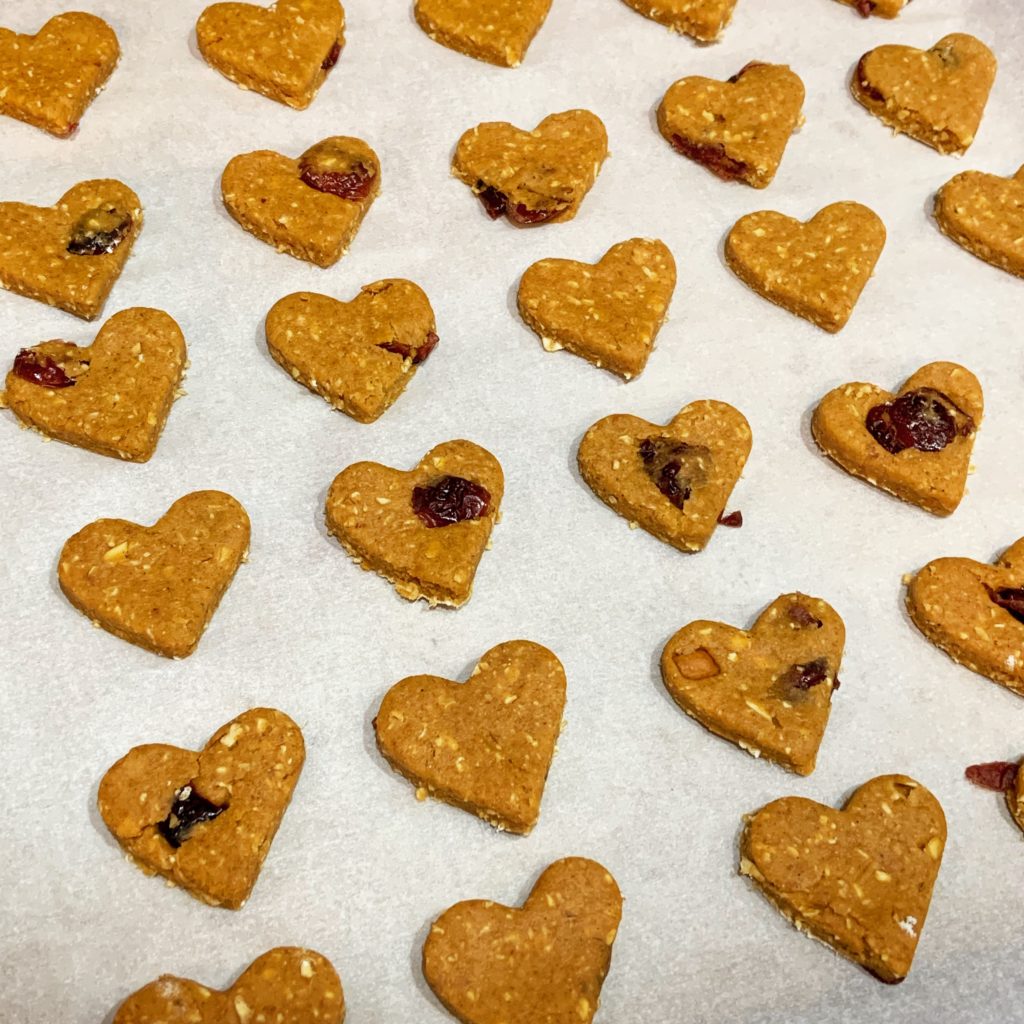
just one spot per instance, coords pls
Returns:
(157, 586)
(112, 396)
(881, 8)
(768, 690)
(69, 255)
(545, 961)
(357, 355)
(484, 745)
(286, 985)
(533, 177)
(609, 312)
(703, 20)
(424, 530)
(975, 613)
(737, 129)
(816, 269)
(205, 820)
(858, 879)
(936, 96)
(915, 444)
(496, 31)
(284, 51)
(47, 80)
(310, 208)
(672, 480)
(984, 214)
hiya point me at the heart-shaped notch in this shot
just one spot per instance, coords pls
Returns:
(816, 269)
(703, 21)
(975, 613)
(284, 51)
(609, 313)
(858, 879)
(915, 444)
(157, 586)
(287, 985)
(768, 690)
(545, 961)
(356, 355)
(484, 745)
(111, 397)
(424, 530)
(205, 820)
(737, 129)
(533, 177)
(494, 31)
(672, 480)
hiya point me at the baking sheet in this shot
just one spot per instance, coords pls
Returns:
(359, 867)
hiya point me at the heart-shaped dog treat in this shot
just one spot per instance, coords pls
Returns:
(768, 690)
(157, 586)
(859, 879)
(484, 745)
(704, 20)
(284, 51)
(609, 312)
(206, 820)
(533, 177)
(936, 96)
(286, 985)
(310, 208)
(112, 396)
(816, 269)
(70, 255)
(975, 613)
(357, 355)
(984, 214)
(496, 31)
(424, 530)
(672, 480)
(545, 961)
(915, 444)
(47, 80)
(737, 129)
(882, 8)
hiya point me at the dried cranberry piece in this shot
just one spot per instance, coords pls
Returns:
(494, 202)
(924, 419)
(419, 355)
(40, 369)
(712, 156)
(525, 217)
(331, 166)
(865, 7)
(803, 677)
(733, 519)
(332, 57)
(802, 617)
(1010, 599)
(1000, 776)
(187, 811)
(99, 231)
(675, 466)
(452, 499)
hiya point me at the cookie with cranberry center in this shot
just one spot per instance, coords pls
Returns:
(496, 31)
(703, 20)
(737, 129)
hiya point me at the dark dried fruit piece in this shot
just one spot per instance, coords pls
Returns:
(39, 369)
(1000, 776)
(525, 217)
(187, 811)
(865, 7)
(419, 355)
(332, 57)
(733, 519)
(496, 204)
(712, 156)
(1010, 599)
(800, 678)
(675, 466)
(331, 167)
(99, 231)
(802, 617)
(452, 499)
(924, 419)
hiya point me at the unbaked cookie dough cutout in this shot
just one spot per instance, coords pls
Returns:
(703, 20)
(858, 879)
(496, 31)
(1006, 777)
(205, 820)
(975, 613)
(544, 961)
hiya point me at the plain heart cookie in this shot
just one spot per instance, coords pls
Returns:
(609, 312)
(915, 444)
(984, 214)
(111, 397)
(47, 80)
(533, 177)
(484, 745)
(768, 690)
(816, 269)
(975, 613)
(881, 8)
(703, 20)
(424, 530)
(737, 129)
(69, 255)
(157, 586)
(858, 879)
(205, 820)
(545, 961)
(672, 480)
(310, 208)
(286, 985)
(936, 96)
(359, 355)
(496, 31)
(284, 51)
